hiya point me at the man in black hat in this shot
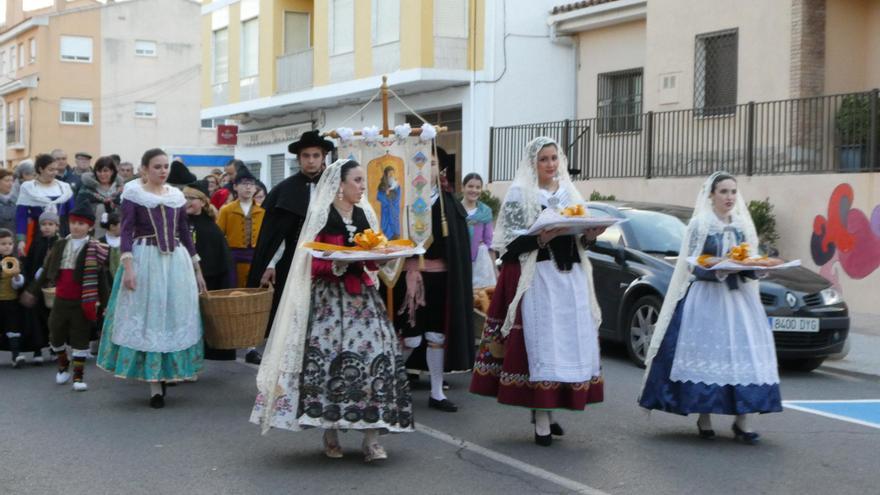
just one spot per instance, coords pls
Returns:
(286, 207)
(438, 336)
(179, 175)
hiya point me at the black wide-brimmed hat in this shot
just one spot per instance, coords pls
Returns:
(201, 186)
(446, 162)
(243, 173)
(180, 174)
(311, 139)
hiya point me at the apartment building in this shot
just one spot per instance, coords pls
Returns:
(280, 67)
(103, 77)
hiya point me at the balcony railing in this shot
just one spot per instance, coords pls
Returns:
(293, 72)
(835, 133)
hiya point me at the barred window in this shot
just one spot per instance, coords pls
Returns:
(620, 101)
(715, 73)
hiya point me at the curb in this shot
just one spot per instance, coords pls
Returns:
(854, 374)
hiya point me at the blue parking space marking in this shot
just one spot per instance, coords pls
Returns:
(861, 412)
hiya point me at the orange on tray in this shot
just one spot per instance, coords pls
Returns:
(370, 240)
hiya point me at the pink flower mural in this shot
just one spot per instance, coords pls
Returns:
(846, 237)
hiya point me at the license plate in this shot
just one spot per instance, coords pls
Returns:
(788, 324)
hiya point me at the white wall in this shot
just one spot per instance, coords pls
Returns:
(171, 79)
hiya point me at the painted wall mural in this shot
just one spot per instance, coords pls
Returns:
(846, 237)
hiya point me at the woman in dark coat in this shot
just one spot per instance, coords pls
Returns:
(215, 258)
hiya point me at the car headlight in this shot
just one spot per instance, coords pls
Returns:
(830, 296)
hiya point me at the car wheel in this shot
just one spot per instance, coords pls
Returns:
(639, 327)
(803, 365)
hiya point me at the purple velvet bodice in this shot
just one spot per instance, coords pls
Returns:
(163, 226)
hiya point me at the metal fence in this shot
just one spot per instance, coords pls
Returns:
(824, 134)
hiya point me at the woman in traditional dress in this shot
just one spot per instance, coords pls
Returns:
(152, 327)
(479, 222)
(712, 351)
(215, 258)
(388, 195)
(540, 347)
(37, 195)
(101, 189)
(333, 360)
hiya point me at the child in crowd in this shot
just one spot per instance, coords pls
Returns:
(11, 313)
(111, 223)
(37, 317)
(77, 266)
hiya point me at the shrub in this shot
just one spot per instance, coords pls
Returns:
(765, 224)
(597, 196)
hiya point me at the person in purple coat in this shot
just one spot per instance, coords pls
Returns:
(479, 222)
(158, 337)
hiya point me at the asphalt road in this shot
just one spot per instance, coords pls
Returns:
(107, 440)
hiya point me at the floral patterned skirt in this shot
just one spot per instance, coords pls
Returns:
(353, 375)
(507, 377)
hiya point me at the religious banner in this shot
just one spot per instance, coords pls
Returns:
(398, 173)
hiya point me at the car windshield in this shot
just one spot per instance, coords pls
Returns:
(656, 232)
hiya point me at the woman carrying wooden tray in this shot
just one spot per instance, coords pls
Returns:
(333, 360)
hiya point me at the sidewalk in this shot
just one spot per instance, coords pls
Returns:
(864, 348)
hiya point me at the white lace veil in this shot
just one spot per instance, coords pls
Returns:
(519, 211)
(703, 222)
(286, 344)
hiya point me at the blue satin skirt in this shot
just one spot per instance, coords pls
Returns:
(662, 394)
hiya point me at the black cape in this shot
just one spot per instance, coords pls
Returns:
(456, 251)
(215, 257)
(286, 207)
(215, 260)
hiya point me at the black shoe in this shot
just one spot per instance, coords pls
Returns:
(555, 428)
(707, 434)
(544, 440)
(253, 357)
(444, 405)
(157, 401)
(446, 385)
(747, 437)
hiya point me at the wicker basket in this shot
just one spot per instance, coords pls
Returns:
(236, 321)
(49, 296)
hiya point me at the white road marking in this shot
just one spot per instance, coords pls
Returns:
(788, 405)
(529, 469)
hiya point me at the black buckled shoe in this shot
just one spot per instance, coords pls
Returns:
(253, 357)
(444, 405)
(157, 401)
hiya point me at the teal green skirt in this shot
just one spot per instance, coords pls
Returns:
(128, 363)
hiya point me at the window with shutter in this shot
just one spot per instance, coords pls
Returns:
(386, 21)
(221, 55)
(277, 165)
(715, 73)
(76, 49)
(145, 48)
(297, 37)
(250, 47)
(76, 111)
(342, 26)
